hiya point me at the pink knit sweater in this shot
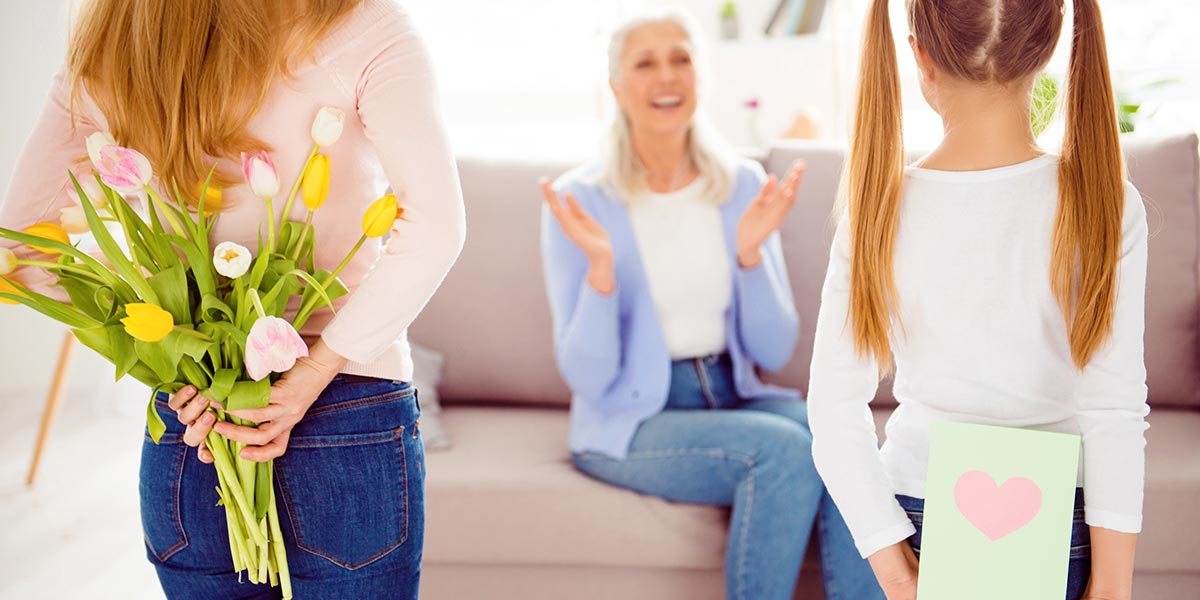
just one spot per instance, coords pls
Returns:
(376, 68)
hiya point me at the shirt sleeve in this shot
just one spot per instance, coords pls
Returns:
(845, 445)
(398, 104)
(1110, 398)
(38, 189)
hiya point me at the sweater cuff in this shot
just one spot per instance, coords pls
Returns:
(1111, 520)
(878, 541)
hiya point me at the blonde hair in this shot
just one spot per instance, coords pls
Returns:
(179, 80)
(996, 41)
(623, 172)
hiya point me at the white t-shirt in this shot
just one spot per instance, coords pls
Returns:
(682, 246)
(983, 341)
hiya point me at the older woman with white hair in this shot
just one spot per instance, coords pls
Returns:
(668, 291)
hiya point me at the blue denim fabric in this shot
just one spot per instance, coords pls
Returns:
(710, 447)
(351, 494)
(1079, 566)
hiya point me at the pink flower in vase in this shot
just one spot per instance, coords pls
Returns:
(272, 347)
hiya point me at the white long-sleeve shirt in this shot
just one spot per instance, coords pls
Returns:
(983, 341)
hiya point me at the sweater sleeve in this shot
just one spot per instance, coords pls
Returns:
(398, 104)
(587, 342)
(1110, 398)
(38, 189)
(767, 318)
(845, 445)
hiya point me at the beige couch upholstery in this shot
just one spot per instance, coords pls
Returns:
(507, 515)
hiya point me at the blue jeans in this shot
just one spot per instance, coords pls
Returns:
(1079, 566)
(350, 491)
(710, 447)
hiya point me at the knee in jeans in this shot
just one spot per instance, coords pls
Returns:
(785, 443)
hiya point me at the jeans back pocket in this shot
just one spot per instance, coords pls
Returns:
(346, 495)
(158, 488)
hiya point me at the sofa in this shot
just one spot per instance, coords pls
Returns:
(509, 517)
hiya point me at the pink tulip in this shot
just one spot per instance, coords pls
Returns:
(272, 347)
(259, 171)
(124, 169)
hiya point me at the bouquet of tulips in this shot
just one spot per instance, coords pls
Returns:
(173, 311)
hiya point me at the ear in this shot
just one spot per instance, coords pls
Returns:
(616, 92)
(924, 62)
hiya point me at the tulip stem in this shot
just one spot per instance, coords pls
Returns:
(308, 306)
(258, 307)
(82, 272)
(270, 226)
(161, 204)
(303, 236)
(287, 208)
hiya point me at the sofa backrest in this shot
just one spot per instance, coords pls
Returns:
(492, 321)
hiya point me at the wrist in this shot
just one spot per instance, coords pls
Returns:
(602, 276)
(749, 258)
(324, 360)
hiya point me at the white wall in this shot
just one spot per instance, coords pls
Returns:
(33, 40)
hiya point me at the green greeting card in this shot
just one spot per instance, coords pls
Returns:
(999, 504)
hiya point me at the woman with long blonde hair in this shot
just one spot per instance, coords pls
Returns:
(191, 85)
(1003, 285)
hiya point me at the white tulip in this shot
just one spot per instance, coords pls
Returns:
(327, 127)
(96, 141)
(74, 220)
(231, 260)
(91, 188)
(8, 261)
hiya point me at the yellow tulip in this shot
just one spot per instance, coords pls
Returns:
(8, 288)
(147, 322)
(212, 197)
(380, 215)
(49, 231)
(316, 182)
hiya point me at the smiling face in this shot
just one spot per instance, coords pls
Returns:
(655, 83)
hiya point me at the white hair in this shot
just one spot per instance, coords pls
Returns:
(622, 171)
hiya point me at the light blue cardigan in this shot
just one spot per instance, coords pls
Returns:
(610, 349)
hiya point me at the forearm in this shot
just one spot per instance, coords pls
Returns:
(1112, 564)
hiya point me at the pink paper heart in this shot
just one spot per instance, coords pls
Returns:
(997, 511)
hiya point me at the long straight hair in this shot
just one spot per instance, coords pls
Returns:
(623, 172)
(179, 80)
(990, 41)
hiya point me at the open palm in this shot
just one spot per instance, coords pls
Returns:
(766, 214)
(579, 226)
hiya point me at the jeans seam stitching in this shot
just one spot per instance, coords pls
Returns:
(741, 566)
(361, 402)
(175, 501)
(674, 453)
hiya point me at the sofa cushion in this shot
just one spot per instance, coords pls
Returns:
(1167, 173)
(490, 317)
(507, 494)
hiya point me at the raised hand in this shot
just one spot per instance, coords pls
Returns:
(585, 233)
(765, 214)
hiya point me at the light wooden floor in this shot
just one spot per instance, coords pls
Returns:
(77, 532)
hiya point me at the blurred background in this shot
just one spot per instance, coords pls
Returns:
(519, 78)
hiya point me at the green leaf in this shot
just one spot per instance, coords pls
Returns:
(249, 394)
(48, 306)
(126, 292)
(213, 308)
(195, 373)
(155, 356)
(200, 262)
(154, 422)
(82, 293)
(171, 286)
(124, 357)
(182, 343)
(222, 384)
(151, 249)
(99, 340)
(112, 250)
